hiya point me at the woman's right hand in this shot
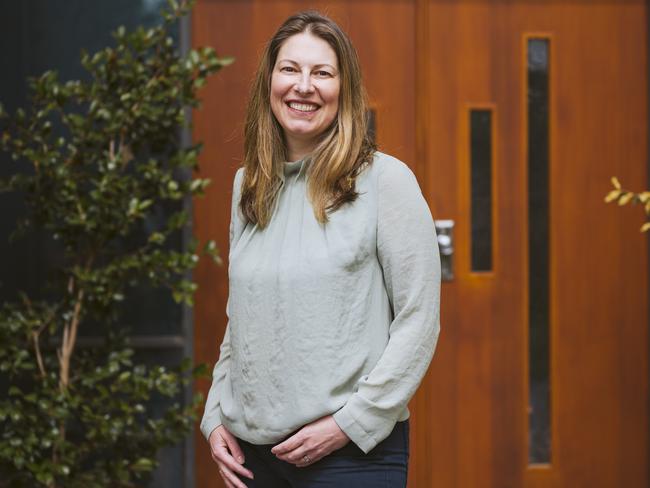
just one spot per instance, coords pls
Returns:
(229, 457)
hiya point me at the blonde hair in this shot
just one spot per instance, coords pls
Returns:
(343, 150)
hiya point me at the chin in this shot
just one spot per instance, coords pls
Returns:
(302, 133)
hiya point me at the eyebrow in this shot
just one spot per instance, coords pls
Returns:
(314, 67)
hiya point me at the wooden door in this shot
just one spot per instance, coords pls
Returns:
(428, 65)
(579, 264)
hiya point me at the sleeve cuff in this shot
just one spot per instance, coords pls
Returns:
(209, 423)
(354, 430)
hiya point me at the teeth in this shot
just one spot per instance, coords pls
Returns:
(303, 107)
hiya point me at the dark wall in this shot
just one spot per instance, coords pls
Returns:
(40, 35)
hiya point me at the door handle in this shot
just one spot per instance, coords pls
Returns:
(445, 234)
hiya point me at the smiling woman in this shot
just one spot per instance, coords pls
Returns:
(305, 89)
(333, 311)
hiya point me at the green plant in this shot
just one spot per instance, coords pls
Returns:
(96, 159)
(623, 197)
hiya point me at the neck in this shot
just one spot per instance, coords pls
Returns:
(298, 149)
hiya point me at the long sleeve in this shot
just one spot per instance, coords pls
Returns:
(211, 415)
(408, 253)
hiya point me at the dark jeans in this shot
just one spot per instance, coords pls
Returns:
(383, 467)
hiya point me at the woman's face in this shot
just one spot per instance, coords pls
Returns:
(305, 88)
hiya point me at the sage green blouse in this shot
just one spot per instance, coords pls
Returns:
(341, 318)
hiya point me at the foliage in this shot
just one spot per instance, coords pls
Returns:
(96, 161)
(623, 197)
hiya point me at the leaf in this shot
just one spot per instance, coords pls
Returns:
(645, 227)
(211, 250)
(625, 198)
(612, 195)
(227, 61)
(201, 371)
(156, 238)
(616, 183)
(143, 464)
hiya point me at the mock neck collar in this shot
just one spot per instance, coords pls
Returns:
(299, 166)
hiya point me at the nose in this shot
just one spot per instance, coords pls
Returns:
(304, 85)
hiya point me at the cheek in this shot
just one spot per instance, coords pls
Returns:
(275, 104)
(278, 88)
(333, 99)
(276, 99)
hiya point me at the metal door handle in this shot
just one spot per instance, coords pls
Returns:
(445, 233)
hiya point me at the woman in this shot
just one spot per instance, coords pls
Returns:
(334, 282)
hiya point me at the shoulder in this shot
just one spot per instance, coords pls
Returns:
(401, 203)
(391, 173)
(239, 177)
(237, 219)
(237, 184)
(237, 187)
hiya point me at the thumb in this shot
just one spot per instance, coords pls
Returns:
(233, 446)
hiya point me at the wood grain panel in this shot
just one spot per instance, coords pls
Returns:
(475, 55)
(473, 354)
(218, 125)
(599, 268)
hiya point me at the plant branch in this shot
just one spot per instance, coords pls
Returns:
(36, 334)
(37, 350)
(70, 331)
(69, 340)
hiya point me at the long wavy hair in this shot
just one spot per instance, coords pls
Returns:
(343, 149)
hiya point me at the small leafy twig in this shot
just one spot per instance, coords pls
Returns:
(623, 197)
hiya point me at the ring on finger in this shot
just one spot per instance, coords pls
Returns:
(306, 459)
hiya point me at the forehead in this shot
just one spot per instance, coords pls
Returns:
(307, 49)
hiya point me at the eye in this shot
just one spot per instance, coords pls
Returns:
(287, 69)
(323, 74)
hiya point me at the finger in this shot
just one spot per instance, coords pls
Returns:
(300, 456)
(222, 456)
(296, 456)
(311, 457)
(289, 444)
(226, 483)
(233, 446)
(230, 477)
(303, 463)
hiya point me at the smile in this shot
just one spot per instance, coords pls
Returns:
(303, 107)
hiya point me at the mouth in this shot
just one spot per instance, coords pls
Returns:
(302, 107)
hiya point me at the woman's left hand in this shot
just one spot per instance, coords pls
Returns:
(312, 443)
